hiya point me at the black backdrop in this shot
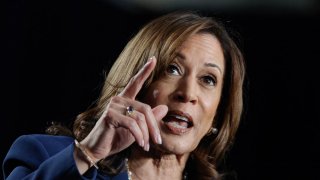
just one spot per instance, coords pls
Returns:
(55, 52)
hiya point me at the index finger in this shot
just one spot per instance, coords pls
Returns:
(136, 82)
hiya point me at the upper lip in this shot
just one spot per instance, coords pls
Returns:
(183, 116)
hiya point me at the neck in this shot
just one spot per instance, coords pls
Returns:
(156, 165)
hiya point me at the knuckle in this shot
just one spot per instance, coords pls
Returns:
(131, 124)
(114, 99)
(140, 117)
(114, 122)
(136, 79)
(147, 107)
(109, 120)
(108, 115)
(132, 80)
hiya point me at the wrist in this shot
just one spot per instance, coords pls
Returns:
(84, 155)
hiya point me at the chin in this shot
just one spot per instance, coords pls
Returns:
(176, 145)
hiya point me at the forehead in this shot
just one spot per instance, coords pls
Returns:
(202, 47)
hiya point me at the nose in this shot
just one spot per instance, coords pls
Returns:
(186, 91)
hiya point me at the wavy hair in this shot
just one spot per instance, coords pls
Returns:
(161, 38)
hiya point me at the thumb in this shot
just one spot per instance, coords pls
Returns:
(160, 111)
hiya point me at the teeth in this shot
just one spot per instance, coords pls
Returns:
(177, 125)
(182, 118)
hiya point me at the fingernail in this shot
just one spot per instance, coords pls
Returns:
(159, 140)
(150, 59)
(142, 143)
(147, 147)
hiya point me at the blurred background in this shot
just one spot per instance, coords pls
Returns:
(54, 55)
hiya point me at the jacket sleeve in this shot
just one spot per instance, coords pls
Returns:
(28, 158)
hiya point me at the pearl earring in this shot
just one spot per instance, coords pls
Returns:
(212, 130)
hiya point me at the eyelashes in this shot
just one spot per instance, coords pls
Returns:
(209, 80)
(206, 79)
(173, 70)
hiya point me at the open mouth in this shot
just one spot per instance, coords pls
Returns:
(178, 122)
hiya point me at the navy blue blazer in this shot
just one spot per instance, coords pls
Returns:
(48, 157)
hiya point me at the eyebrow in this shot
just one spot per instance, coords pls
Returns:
(181, 56)
(214, 66)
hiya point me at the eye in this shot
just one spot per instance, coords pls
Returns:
(173, 69)
(209, 80)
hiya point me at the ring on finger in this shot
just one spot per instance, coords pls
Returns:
(129, 110)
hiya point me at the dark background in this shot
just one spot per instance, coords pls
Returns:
(54, 54)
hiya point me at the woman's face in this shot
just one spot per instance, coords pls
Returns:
(191, 88)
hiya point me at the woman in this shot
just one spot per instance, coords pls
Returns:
(171, 116)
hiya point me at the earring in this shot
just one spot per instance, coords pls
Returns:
(212, 130)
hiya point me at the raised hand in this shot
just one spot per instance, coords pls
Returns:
(117, 129)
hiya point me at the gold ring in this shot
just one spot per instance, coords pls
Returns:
(129, 110)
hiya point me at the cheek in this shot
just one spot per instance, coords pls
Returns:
(210, 106)
(153, 97)
(155, 93)
(160, 96)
